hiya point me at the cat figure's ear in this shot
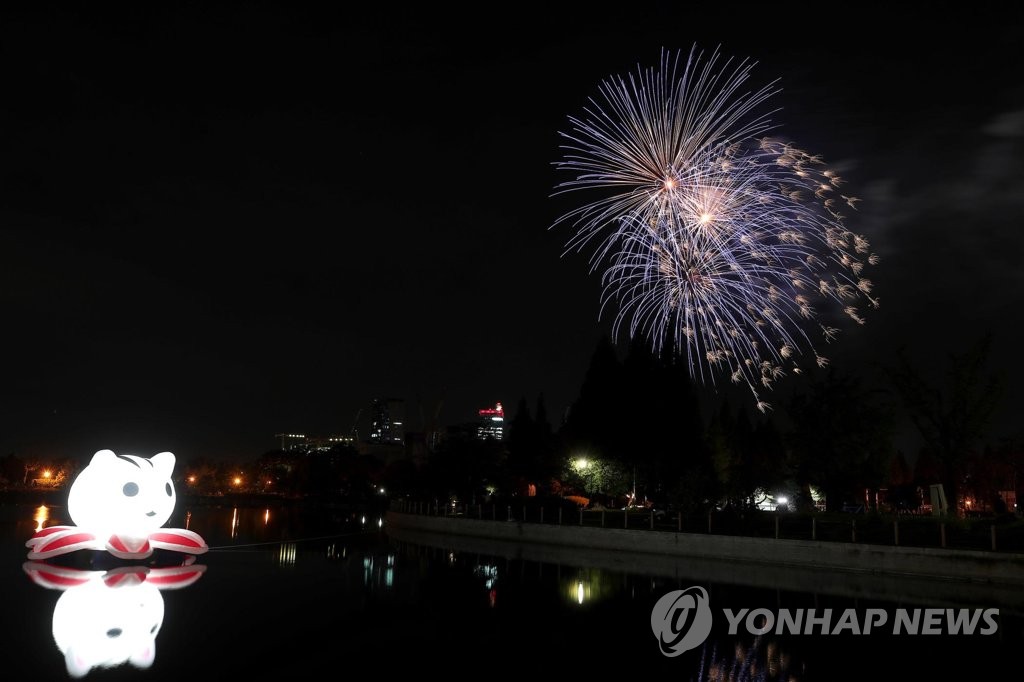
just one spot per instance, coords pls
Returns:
(104, 458)
(163, 463)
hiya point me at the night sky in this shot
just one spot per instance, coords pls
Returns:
(221, 224)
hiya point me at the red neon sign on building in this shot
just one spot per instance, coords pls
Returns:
(496, 411)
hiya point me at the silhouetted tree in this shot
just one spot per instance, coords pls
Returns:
(521, 443)
(747, 459)
(841, 438)
(463, 467)
(595, 424)
(544, 442)
(642, 413)
(951, 418)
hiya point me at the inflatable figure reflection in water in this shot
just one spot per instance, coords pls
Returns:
(118, 504)
(108, 618)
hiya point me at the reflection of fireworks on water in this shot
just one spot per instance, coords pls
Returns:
(759, 662)
(713, 236)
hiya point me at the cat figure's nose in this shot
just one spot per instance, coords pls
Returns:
(152, 513)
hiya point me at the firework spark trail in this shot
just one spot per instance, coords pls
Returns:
(714, 236)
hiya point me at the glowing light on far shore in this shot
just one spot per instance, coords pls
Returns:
(47, 474)
(237, 480)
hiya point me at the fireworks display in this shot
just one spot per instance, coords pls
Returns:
(713, 235)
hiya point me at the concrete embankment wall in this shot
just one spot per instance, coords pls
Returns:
(942, 564)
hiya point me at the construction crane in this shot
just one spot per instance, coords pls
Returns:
(430, 428)
(354, 431)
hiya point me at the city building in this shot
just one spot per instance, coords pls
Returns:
(291, 441)
(387, 421)
(320, 444)
(298, 442)
(491, 424)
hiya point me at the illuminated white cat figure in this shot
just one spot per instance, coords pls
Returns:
(96, 626)
(123, 494)
(119, 503)
(108, 618)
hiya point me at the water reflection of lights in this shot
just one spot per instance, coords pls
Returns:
(234, 522)
(334, 553)
(41, 517)
(578, 591)
(377, 575)
(586, 586)
(286, 554)
(760, 661)
(105, 619)
(188, 519)
(451, 558)
(266, 517)
(488, 572)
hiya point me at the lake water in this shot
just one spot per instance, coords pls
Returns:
(287, 594)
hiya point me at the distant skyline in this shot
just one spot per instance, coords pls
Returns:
(220, 224)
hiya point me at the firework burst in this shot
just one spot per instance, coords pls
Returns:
(714, 236)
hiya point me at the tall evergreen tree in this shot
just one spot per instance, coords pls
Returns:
(952, 418)
(521, 441)
(841, 442)
(595, 420)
